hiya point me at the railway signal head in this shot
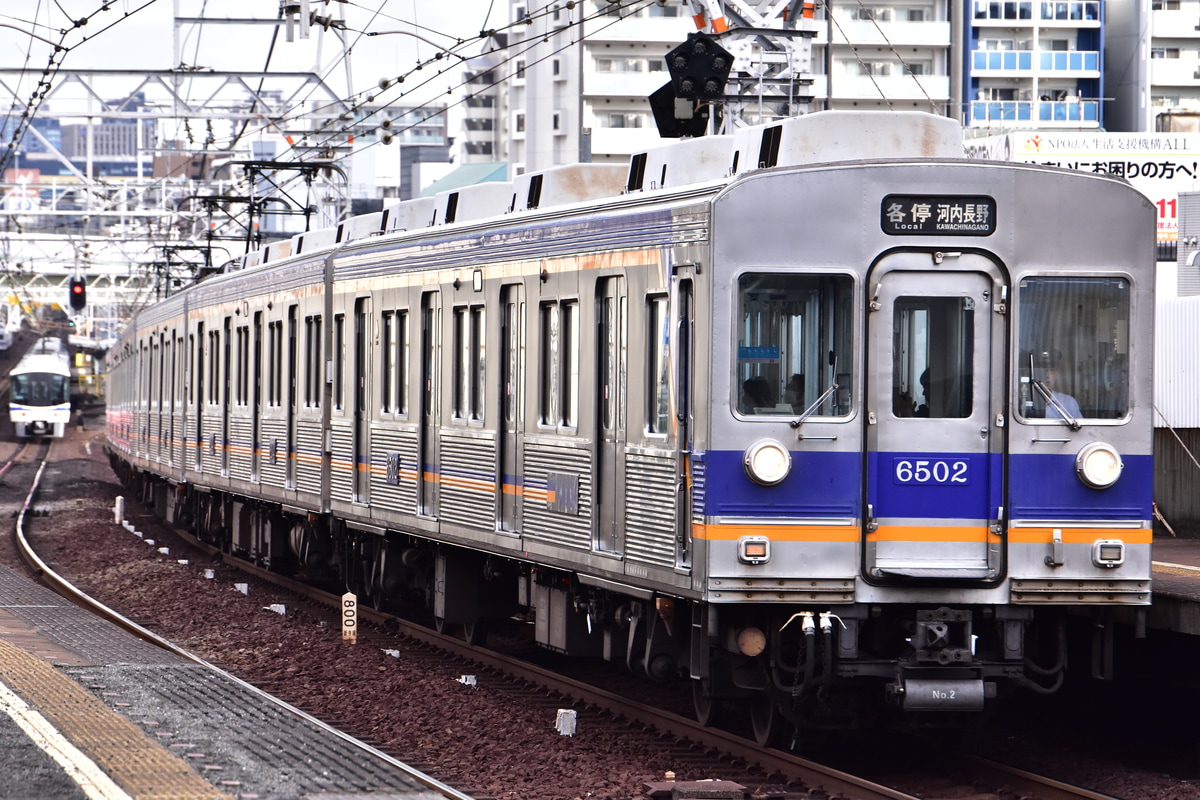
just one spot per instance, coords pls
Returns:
(699, 68)
(78, 296)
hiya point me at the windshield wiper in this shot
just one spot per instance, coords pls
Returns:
(1067, 418)
(808, 412)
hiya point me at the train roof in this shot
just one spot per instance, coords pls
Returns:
(52, 363)
(821, 137)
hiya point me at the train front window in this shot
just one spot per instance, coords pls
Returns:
(933, 339)
(794, 344)
(40, 389)
(1073, 350)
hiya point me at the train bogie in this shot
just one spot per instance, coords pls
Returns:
(801, 433)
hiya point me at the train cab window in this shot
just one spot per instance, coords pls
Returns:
(794, 343)
(1073, 352)
(932, 344)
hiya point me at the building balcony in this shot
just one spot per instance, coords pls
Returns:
(1048, 13)
(1040, 114)
(1175, 71)
(1175, 25)
(1024, 63)
(899, 34)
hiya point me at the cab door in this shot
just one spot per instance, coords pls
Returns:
(935, 344)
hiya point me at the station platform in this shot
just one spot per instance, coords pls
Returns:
(87, 710)
(1176, 605)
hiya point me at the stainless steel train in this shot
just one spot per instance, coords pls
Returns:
(39, 389)
(820, 416)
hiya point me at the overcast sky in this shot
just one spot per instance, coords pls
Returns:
(139, 34)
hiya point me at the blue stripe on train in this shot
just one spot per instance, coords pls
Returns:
(829, 484)
(819, 485)
(1045, 487)
(934, 485)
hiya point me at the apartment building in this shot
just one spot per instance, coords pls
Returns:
(1153, 62)
(881, 54)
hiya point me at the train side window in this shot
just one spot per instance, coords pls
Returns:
(794, 342)
(191, 385)
(570, 364)
(312, 377)
(275, 365)
(658, 342)
(401, 360)
(558, 365)
(468, 362)
(387, 363)
(478, 345)
(242, 378)
(1073, 344)
(547, 362)
(214, 368)
(933, 342)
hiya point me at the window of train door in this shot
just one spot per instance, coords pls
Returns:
(293, 356)
(683, 414)
(362, 389)
(512, 356)
(427, 446)
(256, 398)
(198, 394)
(226, 396)
(933, 489)
(611, 362)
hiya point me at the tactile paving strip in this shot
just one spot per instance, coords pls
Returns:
(59, 621)
(140, 766)
(235, 738)
(244, 740)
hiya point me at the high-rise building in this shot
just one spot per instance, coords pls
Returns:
(884, 55)
(1152, 63)
(576, 80)
(1035, 64)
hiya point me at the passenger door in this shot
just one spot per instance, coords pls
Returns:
(512, 350)
(363, 360)
(430, 392)
(935, 384)
(611, 349)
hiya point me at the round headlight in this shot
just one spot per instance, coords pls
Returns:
(1098, 465)
(767, 462)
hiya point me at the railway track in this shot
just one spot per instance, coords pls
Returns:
(43, 571)
(718, 747)
(817, 779)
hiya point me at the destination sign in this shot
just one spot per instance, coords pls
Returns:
(938, 215)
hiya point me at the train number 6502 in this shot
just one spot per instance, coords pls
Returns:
(935, 471)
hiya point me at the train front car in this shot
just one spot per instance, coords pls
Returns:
(40, 391)
(930, 436)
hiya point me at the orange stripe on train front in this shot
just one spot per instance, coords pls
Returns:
(778, 533)
(974, 534)
(1079, 535)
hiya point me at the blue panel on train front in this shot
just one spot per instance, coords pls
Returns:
(934, 485)
(1046, 487)
(819, 485)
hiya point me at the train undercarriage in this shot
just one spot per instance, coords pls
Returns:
(779, 671)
